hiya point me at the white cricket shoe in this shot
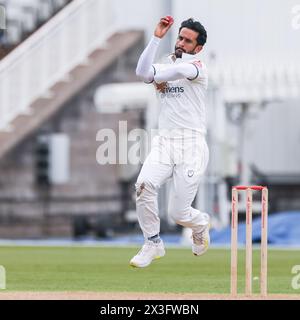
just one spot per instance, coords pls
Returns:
(201, 240)
(150, 251)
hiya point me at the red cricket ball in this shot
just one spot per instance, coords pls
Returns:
(170, 19)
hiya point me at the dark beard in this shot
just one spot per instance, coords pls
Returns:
(178, 53)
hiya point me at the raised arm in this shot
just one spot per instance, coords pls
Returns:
(144, 69)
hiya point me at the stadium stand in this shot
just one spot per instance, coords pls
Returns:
(46, 86)
(23, 17)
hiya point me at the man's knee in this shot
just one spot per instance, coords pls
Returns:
(144, 189)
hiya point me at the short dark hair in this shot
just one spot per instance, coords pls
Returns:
(195, 26)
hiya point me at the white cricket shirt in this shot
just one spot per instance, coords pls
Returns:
(182, 104)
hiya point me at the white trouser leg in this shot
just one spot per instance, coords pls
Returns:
(184, 186)
(182, 194)
(155, 171)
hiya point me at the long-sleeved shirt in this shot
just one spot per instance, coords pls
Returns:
(182, 99)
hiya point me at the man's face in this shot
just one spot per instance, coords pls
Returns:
(187, 42)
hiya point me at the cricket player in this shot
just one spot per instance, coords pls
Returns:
(179, 152)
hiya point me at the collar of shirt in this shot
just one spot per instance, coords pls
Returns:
(189, 57)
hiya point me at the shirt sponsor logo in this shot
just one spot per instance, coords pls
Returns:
(172, 92)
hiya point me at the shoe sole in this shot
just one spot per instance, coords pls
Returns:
(132, 264)
(198, 255)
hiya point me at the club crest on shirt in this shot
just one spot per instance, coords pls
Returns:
(190, 173)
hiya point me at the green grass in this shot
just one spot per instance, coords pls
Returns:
(107, 269)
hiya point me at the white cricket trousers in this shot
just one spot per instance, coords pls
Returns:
(183, 160)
